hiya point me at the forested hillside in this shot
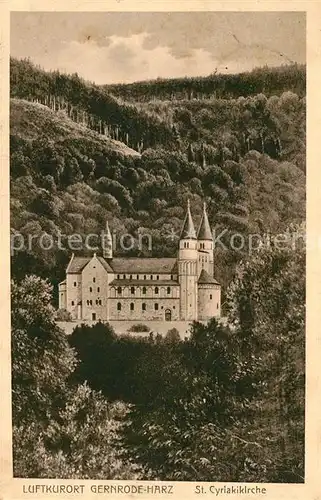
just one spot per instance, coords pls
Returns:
(235, 412)
(80, 155)
(269, 81)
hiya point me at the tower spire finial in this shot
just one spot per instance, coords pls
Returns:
(188, 230)
(107, 243)
(204, 232)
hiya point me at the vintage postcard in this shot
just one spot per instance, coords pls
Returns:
(160, 250)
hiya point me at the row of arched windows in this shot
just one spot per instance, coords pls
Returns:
(132, 306)
(144, 290)
(137, 276)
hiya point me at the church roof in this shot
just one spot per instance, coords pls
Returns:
(204, 232)
(150, 265)
(188, 230)
(206, 279)
(77, 264)
(127, 265)
(105, 264)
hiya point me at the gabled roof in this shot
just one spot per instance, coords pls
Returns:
(136, 265)
(206, 279)
(188, 230)
(204, 232)
(105, 264)
(77, 264)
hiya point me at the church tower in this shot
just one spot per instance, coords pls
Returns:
(187, 269)
(107, 243)
(205, 246)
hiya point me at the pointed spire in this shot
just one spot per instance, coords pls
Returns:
(107, 243)
(188, 230)
(108, 233)
(204, 232)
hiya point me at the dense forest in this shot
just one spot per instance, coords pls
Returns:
(80, 155)
(227, 402)
(268, 81)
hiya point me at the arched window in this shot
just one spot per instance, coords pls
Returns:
(144, 290)
(91, 302)
(143, 307)
(119, 290)
(144, 276)
(100, 303)
(132, 306)
(94, 280)
(131, 277)
(132, 290)
(211, 296)
(90, 289)
(118, 276)
(157, 277)
(118, 306)
(72, 303)
(156, 289)
(98, 289)
(124, 276)
(138, 276)
(168, 289)
(151, 276)
(156, 307)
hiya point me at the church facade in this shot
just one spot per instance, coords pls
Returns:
(146, 289)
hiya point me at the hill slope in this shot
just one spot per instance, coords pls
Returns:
(244, 157)
(29, 120)
(269, 81)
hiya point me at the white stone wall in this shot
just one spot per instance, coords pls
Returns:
(94, 291)
(126, 313)
(73, 287)
(63, 296)
(164, 291)
(205, 257)
(188, 289)
(209, 301)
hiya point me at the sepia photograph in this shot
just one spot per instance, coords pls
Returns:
(158, 246)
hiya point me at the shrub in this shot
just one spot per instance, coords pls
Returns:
(63, 315)
(172, 336)
(139, 327)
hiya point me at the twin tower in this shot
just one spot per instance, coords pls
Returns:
(200, 293)
(191, 291)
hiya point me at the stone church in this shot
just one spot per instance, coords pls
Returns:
(146, 289)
